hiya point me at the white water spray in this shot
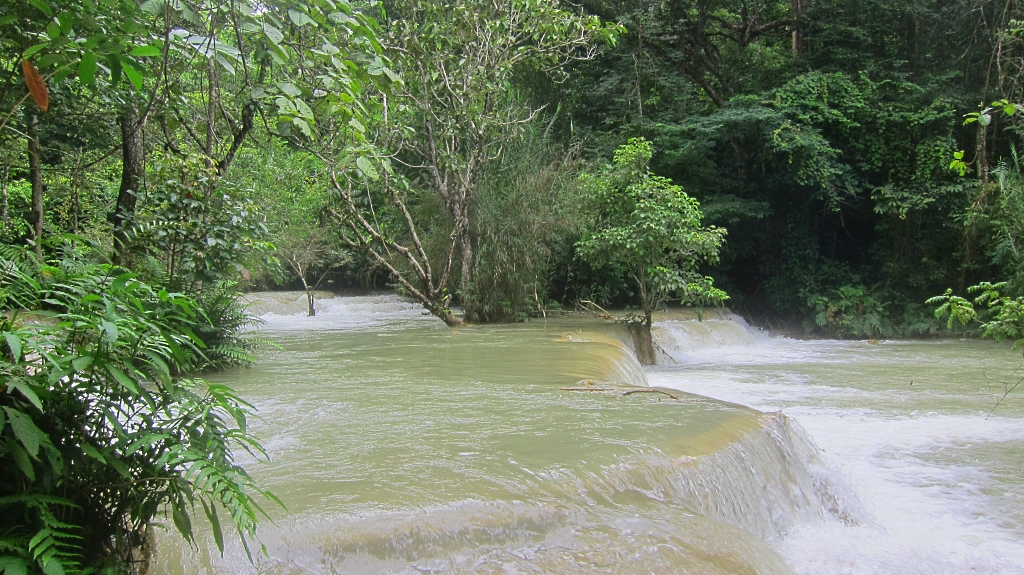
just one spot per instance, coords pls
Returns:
(904, 432)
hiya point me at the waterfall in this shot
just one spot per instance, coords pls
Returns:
(767, 482)
(678, 340)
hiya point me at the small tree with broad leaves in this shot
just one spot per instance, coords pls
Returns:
(647, 228)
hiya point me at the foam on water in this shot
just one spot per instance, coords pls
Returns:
(903, 426)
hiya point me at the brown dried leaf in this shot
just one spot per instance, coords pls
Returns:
(36, 85)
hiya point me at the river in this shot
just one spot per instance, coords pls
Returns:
(401, 446)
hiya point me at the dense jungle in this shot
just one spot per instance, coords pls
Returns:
(841, 169)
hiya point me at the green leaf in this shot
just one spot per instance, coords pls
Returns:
(109, 327)
(303, 127)
(26, 390)
(304, 110)
(273, 34)
(125, 381)
(299, 18)
(133, 75)
(181, 520)
(25, 430)
(16, 567)
(53, 567)
(82, 362)
(53, 30)
(42, 6)
(93, 452)
(87, 69)
(366, 168)
(8, 19)
(218, 534)
(65, 20)
(21, 458)
(146, 51)
(32, 50)
(115, 69)
(14, 343)
(290, 89)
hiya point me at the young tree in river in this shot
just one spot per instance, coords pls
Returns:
(647, 228)
(311, 255)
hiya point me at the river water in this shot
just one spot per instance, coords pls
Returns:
(401, 446)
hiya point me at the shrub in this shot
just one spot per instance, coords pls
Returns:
(103, 424)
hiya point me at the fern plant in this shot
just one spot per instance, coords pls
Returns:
(103, 424)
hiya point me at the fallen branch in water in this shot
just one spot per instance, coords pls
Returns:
(623, 390)
(605, 315)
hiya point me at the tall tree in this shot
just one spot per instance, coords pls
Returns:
(459, 62)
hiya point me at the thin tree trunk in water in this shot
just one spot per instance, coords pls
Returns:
(133, 156)
(35, 167)
(310, 309)
(643, 344)
(467, 276)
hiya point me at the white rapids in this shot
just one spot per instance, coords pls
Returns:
(934, 481)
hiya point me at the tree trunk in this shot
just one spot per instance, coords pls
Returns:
(798, 7)
(643, 344)
(35, 167)
(466, 248)
(5, 215)
(446, 316)
(133, 155)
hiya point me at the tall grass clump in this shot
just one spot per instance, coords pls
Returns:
(527, 207)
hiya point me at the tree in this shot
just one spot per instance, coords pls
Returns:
(311, 254)
(648, 229)
(459, 61)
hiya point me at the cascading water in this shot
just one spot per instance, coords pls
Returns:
(678, 337)
(918, 480)
(400, 446)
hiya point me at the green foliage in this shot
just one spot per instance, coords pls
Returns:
(291, 189)
(648, 229)
(104, 423)
(1003, 219)
(851, 311)
(1000, 318)
(199, 226)
(819, 132)
(527, 209)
